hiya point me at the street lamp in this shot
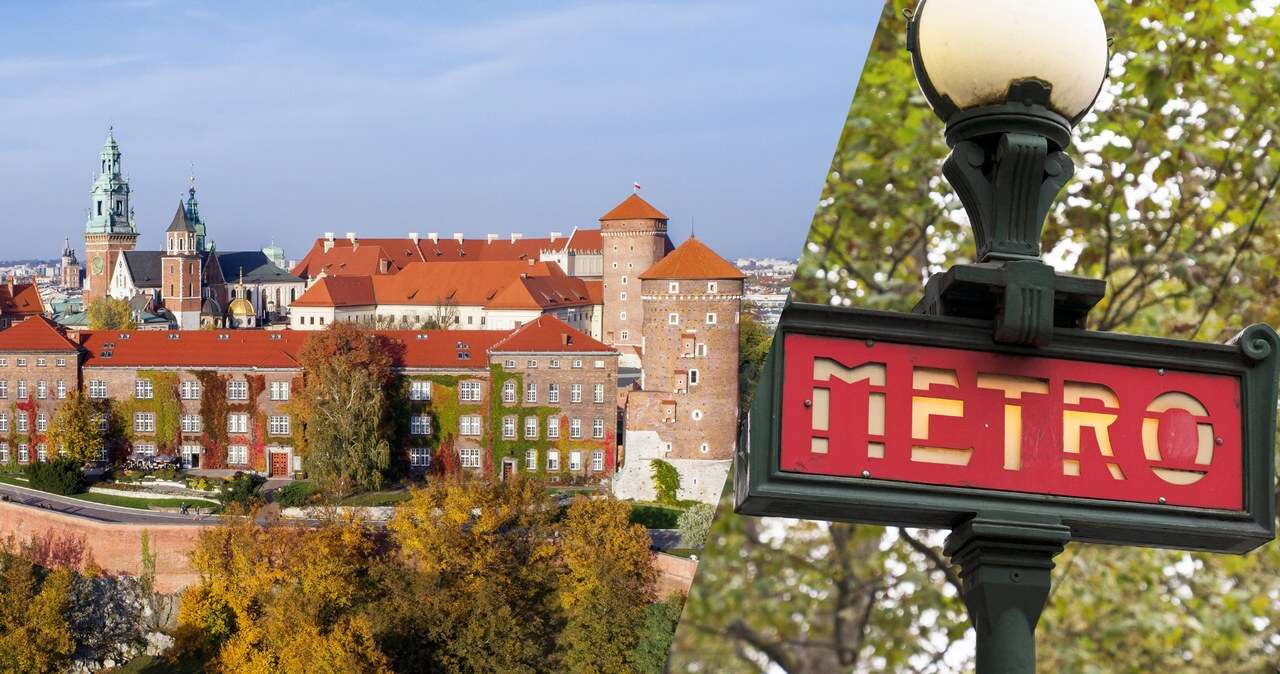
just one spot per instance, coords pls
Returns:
(1010, 79)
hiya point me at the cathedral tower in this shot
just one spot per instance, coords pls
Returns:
(69, 272)
(181, 274)
(634, 236)
(110, 228)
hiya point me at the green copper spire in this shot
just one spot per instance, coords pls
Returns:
(193, 211)
(109, 211)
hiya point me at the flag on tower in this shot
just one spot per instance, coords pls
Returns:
(635, 187)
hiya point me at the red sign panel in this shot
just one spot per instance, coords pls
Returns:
(1013, 423)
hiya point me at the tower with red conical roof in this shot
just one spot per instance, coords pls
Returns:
(634, 238)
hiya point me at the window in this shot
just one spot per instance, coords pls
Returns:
(61, 362)
(697, 415)
(190, 389)
(22, 422)
(509, 391)
(238, 454)
(553, 428)
(575, 428)
(237, 389)
(509, 363)
(22, 390)
(469, 457)
(575, 461)
(531, 428)
(531, 392)
(624, 335)
(144, 422)
(575, 393)
(622, 315)
(419, 457)
(469, 425)
(711, 319)
(142, 389)
(531, 363)
(673, 318)
(280, 390)
(577, 363)
(624, 280)
(103, 423)
(42, 452)
(704, 448)
(694, 377)
(278, 424)
(420, 424)
(41, 362)
(469, 391)
(599, 365)
(42, 389)
(597, 461)
(597, 429)
(531, 459)
(62, 389)
(238, 423)
(4, 452)
(24, 454)
(4, 422)
(4, 388)
(700, 350)
(22, 362)
(420, 390)
(4, 362)
(191, 423)
(622, 296)
(42, 422)
(553, 460)
(554, 363)
(553, 393)
(97, 389)
(597, 393)
(712, 287)
(508, 427)
(673, 287)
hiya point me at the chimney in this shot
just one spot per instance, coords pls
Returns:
(490, 238)
(328, 241)
(457, 236)
(413, 236)
(434, 236)
(351, 236)
(565, 339)
(554, 236)
(384, 266)
(516, 237)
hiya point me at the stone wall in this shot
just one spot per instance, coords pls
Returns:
(675, 574)
(700, 479)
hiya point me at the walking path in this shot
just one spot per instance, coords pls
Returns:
(100, 512)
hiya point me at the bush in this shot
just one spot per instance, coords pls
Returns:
(694, 523)
(60, 476)
(654, 517)
(168, 474)
(242, 488)
(295, 494)
(666, 479)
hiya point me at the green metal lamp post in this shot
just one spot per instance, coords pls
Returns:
(1009, 98)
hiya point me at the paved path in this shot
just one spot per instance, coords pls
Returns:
(94, 511)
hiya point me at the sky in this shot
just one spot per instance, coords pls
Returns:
(392, 117)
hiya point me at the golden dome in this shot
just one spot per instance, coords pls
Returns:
(240, 307)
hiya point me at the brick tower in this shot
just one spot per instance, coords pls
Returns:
(690, 327)
(181, 277)
(69, 270)
(634, 235)
(110, 228)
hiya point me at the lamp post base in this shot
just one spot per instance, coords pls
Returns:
(1005, 563)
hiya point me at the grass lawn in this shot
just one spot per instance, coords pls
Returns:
(654, 516)
(141, 503)
(12, 479)
(376, 498)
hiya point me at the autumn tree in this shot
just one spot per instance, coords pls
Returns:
(754, 341)
(606, 585)
(1177, 171)
(35, 635)
(109, 313)
(346, 408)
(76, 429)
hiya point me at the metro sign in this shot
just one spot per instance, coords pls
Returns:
(924, 421)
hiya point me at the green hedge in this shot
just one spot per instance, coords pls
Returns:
(60, 476)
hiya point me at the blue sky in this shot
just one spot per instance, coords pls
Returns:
(385, 118)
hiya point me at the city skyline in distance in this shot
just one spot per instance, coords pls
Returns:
(302, 121)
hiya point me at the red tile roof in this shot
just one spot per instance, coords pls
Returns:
(20, 300)
(370, 257)
(692, 260)
(595, 290)
(494, 285)
(36, 334)
(445, 348)
(634, 208)
(586, 241)
(549, 333)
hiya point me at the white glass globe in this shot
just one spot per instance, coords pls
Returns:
(973, 49)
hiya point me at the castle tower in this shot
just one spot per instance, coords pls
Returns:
(69, 272)
(181, 274)
(634, 236)
(691, 302)
(109, 229)
(193, 216)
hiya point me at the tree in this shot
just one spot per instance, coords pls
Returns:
(444, 316)
(345, 407)
(754, 342)
(606, 585)
(694, 523)
(76, 430)
(660, 620)
(35, 635)
(109, 313)
(1177, 175)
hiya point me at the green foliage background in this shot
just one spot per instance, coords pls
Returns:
(1174, 205)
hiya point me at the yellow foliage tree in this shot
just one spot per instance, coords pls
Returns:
(35, 636)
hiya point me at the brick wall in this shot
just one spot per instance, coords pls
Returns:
(36, 372)
(630, 248)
